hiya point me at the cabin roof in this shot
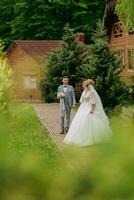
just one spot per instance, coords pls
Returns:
(37, 49)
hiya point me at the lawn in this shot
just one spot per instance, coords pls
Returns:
(120, 123)
(28, 157)
(31, 167)
(24, 135)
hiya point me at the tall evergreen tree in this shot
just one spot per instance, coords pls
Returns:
(6, 16)
(81, 15)
(39, 19)
(65, 60)
(34, 20)
(103, 66)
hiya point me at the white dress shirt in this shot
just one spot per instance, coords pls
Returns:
(65, 88)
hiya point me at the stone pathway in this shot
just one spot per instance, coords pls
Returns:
(49, 117)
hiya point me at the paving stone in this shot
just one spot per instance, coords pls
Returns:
(49, 116)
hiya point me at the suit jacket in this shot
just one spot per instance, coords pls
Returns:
(69, 98)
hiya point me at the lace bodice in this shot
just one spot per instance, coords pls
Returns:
(92, 97)
(85, 97)
(88, 97)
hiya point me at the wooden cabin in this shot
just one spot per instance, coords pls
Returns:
(26, 59)
(120, 39)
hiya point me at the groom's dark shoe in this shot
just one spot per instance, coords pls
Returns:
(62, 132)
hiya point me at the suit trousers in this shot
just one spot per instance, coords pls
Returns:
(65, 117)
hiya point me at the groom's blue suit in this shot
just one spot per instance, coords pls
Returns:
(66, 104)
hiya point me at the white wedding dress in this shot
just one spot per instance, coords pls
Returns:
(86, 128)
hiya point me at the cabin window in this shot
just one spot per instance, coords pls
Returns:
(117, 30)
(121, 53)
(30, 82)
(131, 58)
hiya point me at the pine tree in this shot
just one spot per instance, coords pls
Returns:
(103, 66)
(65, 60)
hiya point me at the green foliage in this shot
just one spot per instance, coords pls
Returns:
(39, 19)
(6, 82)
(33, 20)
(2, 54)
(6, 16)
(65, 60)
(132, 92)
(131, 89)
(125, 11)
(103, 66)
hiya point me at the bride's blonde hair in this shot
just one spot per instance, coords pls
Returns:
(88, 82)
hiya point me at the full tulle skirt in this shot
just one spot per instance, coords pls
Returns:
(88, 129)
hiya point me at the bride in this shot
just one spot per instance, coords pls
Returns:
(90, 124)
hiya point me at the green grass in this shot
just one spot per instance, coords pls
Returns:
(121, 124)
(31, 167)
(24, 134)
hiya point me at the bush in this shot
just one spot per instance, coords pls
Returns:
(131, 89)
(6, 83)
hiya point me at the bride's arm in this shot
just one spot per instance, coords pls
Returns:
(93, 102)
(92, 108)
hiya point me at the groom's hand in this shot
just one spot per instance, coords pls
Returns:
(58, 96)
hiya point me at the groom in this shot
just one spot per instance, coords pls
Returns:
(67, 101)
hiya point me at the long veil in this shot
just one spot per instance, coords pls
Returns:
(97, 98)
(99, 106)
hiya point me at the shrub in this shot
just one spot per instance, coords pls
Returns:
(6, 83)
